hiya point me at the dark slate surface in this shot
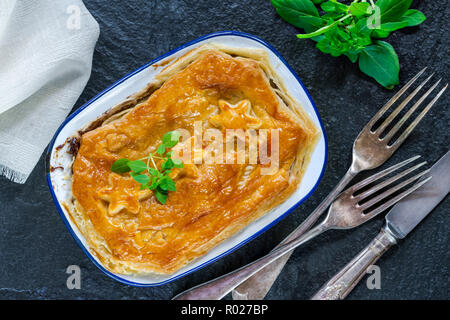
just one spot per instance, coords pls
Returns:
(36, 248)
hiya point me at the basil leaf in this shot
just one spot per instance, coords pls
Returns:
(334, 6)
(364, 41)
(168, 164)
(318, 38)
(343, 35)
(380, 62)
(392, 26)
(154, 184)
(171, 185)
(120, 166)
(137, 166)
(170, 139)
(332, 16)
(167, 184)
(141, 178)
(413, 17)
(378, 33)
(324, 45)
(359, 9)
(161, 149)
(144, 186)
(328, 6)
(386, 28)
(352, 55)
(300, 13)
(362, 28)
(392, 10)
(161, 195)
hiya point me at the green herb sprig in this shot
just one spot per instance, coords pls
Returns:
(147, 174)
(350, 30)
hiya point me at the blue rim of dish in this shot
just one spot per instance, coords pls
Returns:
(285, 214)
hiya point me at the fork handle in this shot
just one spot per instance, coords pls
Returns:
(216, 289)
(345, 280)
(256, 287)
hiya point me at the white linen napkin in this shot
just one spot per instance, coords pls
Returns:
(46, 49)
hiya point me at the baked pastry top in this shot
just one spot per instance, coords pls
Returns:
(224, 88)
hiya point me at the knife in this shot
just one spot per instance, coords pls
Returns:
(400, 221)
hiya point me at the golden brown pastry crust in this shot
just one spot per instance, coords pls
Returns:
(127, 228)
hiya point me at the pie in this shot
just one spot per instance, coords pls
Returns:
(215, 86)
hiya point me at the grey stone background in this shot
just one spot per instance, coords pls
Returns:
(36, 248)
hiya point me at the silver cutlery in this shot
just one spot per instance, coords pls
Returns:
(401, 219)
(371, 149)
(353, 207)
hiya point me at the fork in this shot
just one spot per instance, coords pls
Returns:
(352, 208)
(370, 150)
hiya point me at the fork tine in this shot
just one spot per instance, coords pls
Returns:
(393, 99)
(402, 105)
(387, 182)
(396, 199)
(397, 126)
(411, 127)
(383, 173)
(392, 190)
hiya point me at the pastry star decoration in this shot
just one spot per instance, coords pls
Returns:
(235, 116)
(123, 194)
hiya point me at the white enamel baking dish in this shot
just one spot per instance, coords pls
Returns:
(59, 180)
